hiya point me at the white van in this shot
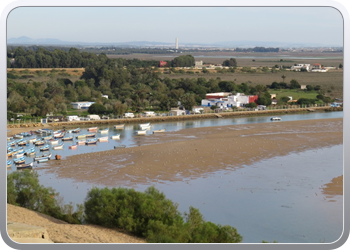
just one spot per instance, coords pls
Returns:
(94, 117)
(149, 114)
(129, 115)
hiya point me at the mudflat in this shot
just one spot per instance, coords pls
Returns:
(195, 152)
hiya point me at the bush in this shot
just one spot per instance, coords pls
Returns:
(151, 215)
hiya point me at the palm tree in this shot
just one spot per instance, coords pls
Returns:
(283, 77)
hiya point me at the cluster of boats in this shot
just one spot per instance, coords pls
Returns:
(45, 140)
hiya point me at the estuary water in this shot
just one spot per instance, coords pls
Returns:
(278, 199)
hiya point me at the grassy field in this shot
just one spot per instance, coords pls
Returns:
(295, 94)
(331, 81)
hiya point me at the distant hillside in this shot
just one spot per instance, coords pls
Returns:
(23, 40)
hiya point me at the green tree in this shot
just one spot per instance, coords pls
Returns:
(230, 63)
(188, 100)
(251, 105)
(97, 108)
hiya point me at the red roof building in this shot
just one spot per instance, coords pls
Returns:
(162, 64)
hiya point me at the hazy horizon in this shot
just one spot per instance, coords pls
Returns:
(322, 26)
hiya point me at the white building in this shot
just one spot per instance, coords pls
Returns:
(81, 105)
(72, 118)
(298, 67)
(237, 100)
(176, 112)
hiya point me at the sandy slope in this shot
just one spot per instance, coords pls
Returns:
(62, 232)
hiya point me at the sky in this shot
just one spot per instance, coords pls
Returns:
(312, 25)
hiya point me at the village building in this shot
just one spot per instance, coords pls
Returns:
(227, 100)
(81, 105)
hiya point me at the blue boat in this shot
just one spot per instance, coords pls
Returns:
(24, 166)
(29, 150)
(9, 163)
(47, 156)
(44, 148)
(39, 143)
(91, 141)
(20, 160)
(68, 138)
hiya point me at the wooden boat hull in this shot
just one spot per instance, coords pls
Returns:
(141, 132)
(67, 139)
(58, 147)
(120, 146)
(73, 147)
(81, 142)
(115, 137)
(24, 166)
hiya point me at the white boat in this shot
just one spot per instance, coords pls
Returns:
(104, 131)
(81, 142)
(93, 129)
(144, 125)
(159, 131)
(43, 156)
(119, 126)
(115, 137)
(53, 141)
(58, 146)
(276, 119)
(140, 132)
(103, 139)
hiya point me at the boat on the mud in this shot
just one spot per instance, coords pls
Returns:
(159, 131)
(24, 166)
(141, 132)
(73, 147)
(44, 148)
(67, 138)
(43, 156)
(60, 146)
(93, 129)
(104, 131)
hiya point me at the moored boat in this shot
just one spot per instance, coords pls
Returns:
(72, 147)
(39, 143)
(68, 138)
(44, 148)
(81, 137)
(18, 136)
(104, 131)
(53, 141)
(24, 166)
(103, 139)
(22, 143)
(91, 135)
(43, 156)
(115, 137)
(119, 126)
(19, 160)
(140, 132)
(81, 142)
(60, 146)
(93, 129)
(9, 163)
(144, 126)
(60, 135)
(91, 141)
(29, 150)
(119, 146)
(159, 131)
(42, 160)
(276, 119)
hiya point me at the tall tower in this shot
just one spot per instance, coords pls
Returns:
(176, 43)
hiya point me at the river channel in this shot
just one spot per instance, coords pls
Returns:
(274, 199)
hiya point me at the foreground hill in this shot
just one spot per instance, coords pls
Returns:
(62, 232)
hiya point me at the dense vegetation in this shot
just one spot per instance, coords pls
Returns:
(130, 84)
(147, 214)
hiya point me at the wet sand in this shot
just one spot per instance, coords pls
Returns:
(195, 152)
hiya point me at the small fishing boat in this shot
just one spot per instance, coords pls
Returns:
(47, 138)
(103, 139)
(73, 147)
(10, 138)
(31, 153)
(81, 137)
(11, 143)
(93, 129)
(43, 156)
(119, 126)
(115, 137)
(159, 131)
(53, 141)
(9, 154)
(9, 163)
(67, 138)
(276, 119)
(19, 160)
(91, 141)
(77, 130)
(45, 147)
(42, 160)
(81, 142)
(22, 143)
(60, 146)
(18, 155)
(119, 146)
(32, 140)
(144, 125)
(39, 143)
(91, 135)
(29, 150)
(60, 135)
(24, 166)
(18, 136)
(104, 131)
(140, 132)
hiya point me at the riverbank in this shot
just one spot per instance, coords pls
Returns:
(19, 128)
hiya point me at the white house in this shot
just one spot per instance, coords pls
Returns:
(72, 118)
(229, 101)
(94, 117)
(81, 105)
(298, 67)
(105, 96)
(176, 112)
